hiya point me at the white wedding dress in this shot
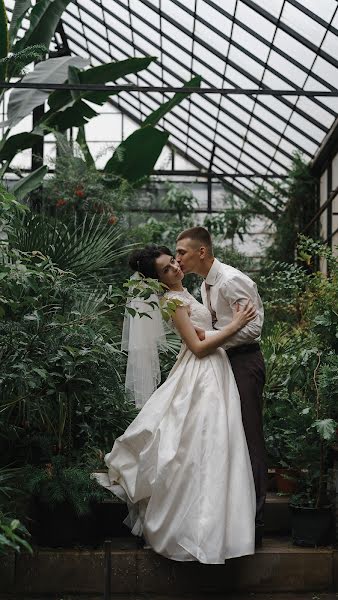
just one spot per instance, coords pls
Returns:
(183, 465)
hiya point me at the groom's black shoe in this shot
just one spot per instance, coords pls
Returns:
(259, 532)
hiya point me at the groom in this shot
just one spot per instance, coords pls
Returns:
(224, 287)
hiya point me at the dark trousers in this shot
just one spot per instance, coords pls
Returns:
(249, 370)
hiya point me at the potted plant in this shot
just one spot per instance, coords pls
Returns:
(301, 392)
(68, 507)
(312, 505)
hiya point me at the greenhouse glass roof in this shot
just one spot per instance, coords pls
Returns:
(271, 45)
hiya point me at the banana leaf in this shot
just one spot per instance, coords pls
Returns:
(19, 11)
(136, 156)
(81, 140)
(29, 183)
(44, 19)
(74, 116)
(155, 116)
(23, 101)
(4, 42)
(101, 74)
(16, 143)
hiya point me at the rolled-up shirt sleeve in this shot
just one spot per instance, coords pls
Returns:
(240, 290)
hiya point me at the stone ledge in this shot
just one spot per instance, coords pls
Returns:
(7, 572)
(277, 567)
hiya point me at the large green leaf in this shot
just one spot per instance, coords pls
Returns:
(29, 183)
(74, 116)
(44, 19)
(19, 11)
(155, 116)
(81, 140)
(23, 101)
(101, 74)
(16, 143)
(4, 43)
(136, 156)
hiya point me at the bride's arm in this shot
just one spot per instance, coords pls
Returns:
(200, 348)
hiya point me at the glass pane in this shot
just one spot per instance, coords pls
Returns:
(228, 149)
(178, 14)
(211, 38)
(239, 80)
(257, 22)
(326, 71)
(226, 120)
(255, 139)
(265, 130)
(209, 58)
(303, 24)
(244, 116)
(330, 44)
(253, 69)
(287, 69)
(324, 10)
(208, 76)
(98, 53)
(294, 48)
(118, 10)
(250, 42)
(301, 141)
(225, 164)
(248, 149)
(269, 119)
(22, 160)
(226, 134)
(147, 13)
(316, 112)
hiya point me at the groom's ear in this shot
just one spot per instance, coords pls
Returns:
(203, 252)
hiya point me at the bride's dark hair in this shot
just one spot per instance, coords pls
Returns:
(144, 260)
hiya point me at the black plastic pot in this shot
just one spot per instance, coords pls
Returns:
(312, 526)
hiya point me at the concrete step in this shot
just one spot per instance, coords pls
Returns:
(278, 567)
(277, 514)
(251, 596)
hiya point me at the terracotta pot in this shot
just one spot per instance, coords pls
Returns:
(286, 480)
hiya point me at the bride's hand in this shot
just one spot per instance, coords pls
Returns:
(244, 315)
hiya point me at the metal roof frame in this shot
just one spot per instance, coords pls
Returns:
(250, 139)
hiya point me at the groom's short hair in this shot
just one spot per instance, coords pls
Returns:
(199, 235)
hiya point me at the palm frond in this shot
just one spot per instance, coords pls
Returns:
(84, 249)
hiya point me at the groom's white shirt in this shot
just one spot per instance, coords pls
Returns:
(227, 287)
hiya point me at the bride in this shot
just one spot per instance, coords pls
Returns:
(183, 465)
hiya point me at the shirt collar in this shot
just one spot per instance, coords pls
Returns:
(212, 275)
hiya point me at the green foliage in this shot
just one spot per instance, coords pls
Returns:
(136, 156)
(77, 188)
(101, 74)
(12, 535)
(12, 532)
(17, 61)
(158, 114)
(87, 249)
(43, 20)
(300, 349)
(288, 205)
(233, 220)
(4, 40)
(60, 334)
(22, 188)
(56, 483)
